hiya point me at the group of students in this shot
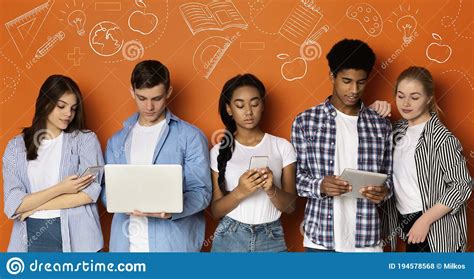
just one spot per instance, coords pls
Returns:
(423, 199)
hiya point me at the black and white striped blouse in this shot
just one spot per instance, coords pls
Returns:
(443, 178)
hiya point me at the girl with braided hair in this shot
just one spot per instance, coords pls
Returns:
(249, 202)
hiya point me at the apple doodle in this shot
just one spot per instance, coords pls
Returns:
(141, 21)
(368, 17)
(293, 69)
(437, 52)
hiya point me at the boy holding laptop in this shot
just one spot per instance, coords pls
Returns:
(154, 136)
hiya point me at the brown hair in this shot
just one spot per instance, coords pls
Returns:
(423, 76)
(51, 91)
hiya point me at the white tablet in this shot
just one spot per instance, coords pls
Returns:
(147, 188)
(359, 179)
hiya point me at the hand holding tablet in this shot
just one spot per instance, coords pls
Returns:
(334, 186)
(365, 184)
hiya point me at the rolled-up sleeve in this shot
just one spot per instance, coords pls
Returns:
(14, 190)
(455, 174)
(307, 185)
(90, 154)
(197, 178)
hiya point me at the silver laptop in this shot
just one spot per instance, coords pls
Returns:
(147, 188)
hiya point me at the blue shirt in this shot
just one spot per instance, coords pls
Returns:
(180, 143)
(314, 138)
(80, 226)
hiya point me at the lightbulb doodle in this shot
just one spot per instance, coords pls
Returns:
(75, 17)
(406, 23)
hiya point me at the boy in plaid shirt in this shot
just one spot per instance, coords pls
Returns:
(342, 133)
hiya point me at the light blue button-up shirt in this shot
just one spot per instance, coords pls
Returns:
(80, 226)
(179, 143)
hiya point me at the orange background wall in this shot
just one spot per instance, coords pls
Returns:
(256, 45)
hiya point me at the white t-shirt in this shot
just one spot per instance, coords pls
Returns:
(43, 172)
(345, 208)
(405, 179)
(144, 140)
(257, 208)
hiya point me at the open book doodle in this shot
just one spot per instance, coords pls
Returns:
(216, 15)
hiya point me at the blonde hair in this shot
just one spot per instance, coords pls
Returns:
(423, 76)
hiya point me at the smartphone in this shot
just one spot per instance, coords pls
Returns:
(258, 162)
(94, 171)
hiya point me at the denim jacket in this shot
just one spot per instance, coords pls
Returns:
(80, 226)
(180, 143)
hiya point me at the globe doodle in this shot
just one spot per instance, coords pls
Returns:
(106, 38)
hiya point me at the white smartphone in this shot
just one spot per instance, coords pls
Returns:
(258, 162)
(94, 171)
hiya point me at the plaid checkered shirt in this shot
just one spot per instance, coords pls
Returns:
(314, 138)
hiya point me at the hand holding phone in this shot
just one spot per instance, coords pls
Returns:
(258, 162)
(94, 171)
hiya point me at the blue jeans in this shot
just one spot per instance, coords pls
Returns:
(234, 236)
(44, 235)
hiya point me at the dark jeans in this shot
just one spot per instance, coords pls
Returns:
(406, 222)
(44, 235)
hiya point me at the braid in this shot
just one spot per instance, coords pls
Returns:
(225, 154)
(227, 143)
